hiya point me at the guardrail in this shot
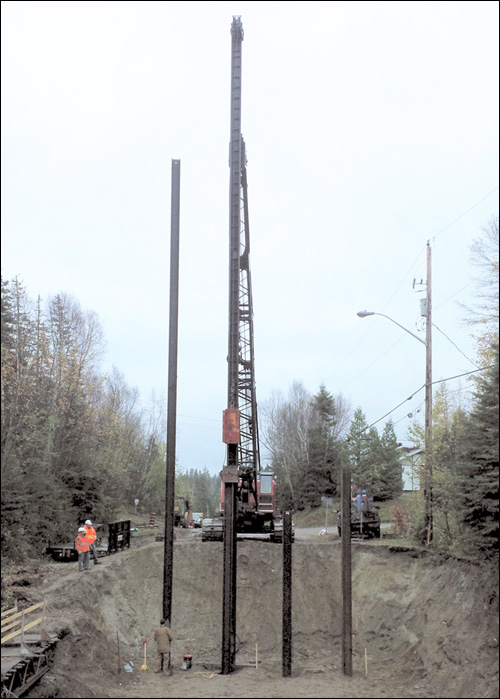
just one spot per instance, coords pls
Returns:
(20, 622)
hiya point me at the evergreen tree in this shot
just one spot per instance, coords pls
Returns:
(375, 461)
(478, 467)
(390, 475)
(448, 419)
(323, 473)
(360, 447)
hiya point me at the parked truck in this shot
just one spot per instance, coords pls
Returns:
(365, 518)
(257, 515)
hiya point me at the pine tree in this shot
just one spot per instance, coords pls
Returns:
(479, 465)
(360, 447)
(390, 477)
(323, 473)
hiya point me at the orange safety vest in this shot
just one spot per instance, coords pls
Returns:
(91, 534)
(82, 544)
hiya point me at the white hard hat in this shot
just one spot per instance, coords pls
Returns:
(88, 522)
(81, 529)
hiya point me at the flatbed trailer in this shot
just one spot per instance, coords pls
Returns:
(365, 524)
(111, 537)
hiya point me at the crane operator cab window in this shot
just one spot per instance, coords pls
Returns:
(266, 492)
(266, 483)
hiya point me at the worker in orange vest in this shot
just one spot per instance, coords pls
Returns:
(92, 536)
(82, 545)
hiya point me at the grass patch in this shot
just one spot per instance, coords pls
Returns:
(406, 502)
(317, 516)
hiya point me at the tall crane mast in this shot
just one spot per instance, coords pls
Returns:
(248, 495)
(248, 498)
(241, 362)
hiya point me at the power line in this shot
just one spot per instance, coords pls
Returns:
(401, 282)
(465, 212)
(458, 348)
(455, 294)
(374, 362)
(449, 378)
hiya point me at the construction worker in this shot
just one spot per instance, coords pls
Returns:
(364, 497)
(92, 536)
(82, 545)
(163, 637)
(359, 502)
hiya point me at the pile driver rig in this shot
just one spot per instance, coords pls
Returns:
(248, 494)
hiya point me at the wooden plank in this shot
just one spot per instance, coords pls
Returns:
(23, 611)
(18, 632)
(9, 611)
(28, 638)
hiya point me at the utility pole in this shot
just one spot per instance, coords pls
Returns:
(428, 404)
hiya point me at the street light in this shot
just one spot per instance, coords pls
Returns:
(364, 314)
(428, 395)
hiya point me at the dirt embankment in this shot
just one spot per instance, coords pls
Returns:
(422, 627)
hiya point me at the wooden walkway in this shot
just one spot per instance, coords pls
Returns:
(25, 656)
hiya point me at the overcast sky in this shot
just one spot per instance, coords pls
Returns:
(371, 128)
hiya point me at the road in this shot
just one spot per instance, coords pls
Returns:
(318, 532)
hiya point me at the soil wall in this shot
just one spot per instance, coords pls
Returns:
(422, 622)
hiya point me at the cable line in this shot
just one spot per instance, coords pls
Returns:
(449, 378)
(454, 345)
(465, 212)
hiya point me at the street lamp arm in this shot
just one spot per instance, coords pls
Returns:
(364, 314)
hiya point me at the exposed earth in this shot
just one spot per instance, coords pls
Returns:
(423, 626)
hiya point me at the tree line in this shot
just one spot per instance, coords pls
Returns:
(310, 438)
(75, 442)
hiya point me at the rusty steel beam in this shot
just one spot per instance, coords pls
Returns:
(287, 594)
(346, 572)
(172, 392)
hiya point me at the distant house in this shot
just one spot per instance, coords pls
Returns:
(412, 458)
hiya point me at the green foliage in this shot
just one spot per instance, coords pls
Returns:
(318, 517)
(75, 444)
(322, 476)
(202, 490)
(390, 472)
(375, 461)
(303, 435)
(479, 464)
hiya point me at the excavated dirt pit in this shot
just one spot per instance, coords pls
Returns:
(422, 627)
